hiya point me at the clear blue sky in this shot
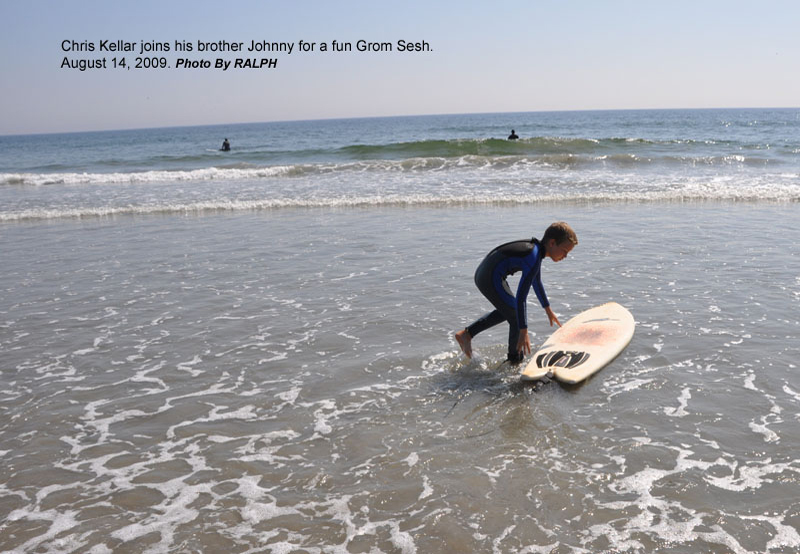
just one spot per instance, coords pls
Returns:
(525, 55)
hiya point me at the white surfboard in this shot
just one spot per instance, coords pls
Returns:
(583, 345)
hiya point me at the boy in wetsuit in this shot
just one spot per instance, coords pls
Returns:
(490, 277)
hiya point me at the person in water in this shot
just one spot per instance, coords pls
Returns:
(226, 146)
(490, 277)
(513, 135)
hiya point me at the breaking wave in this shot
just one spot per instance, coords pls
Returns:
(693, 193)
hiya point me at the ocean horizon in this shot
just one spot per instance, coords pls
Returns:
(396, 116)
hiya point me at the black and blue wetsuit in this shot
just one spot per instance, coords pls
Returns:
(490, 277)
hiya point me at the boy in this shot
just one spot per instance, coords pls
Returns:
(490, 277)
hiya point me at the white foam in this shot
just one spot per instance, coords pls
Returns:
(748, 477)
(763, 429)
(60, 521)
(321, 419)
(245, 413)
(720, 536)
(174, 511)
(84, 351)
(627, 386)
(794, 394)
(255, 511)
(427, 489)
(786, 536)
(333, 197)
(289, 396)
(189, 366)
(683, 402)
(160, 176)
(261, 448)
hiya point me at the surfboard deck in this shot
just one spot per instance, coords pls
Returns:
(583, 345)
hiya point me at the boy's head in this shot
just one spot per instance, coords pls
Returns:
(561, 232)
(559, 239)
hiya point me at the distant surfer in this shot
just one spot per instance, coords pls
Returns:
(513, 135)
(490, 277)
(226, 146)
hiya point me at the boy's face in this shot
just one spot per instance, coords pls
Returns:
(558, 252)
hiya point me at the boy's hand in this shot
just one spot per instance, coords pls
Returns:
(552, 317)
(524, 342)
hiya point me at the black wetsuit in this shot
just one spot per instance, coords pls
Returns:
(490, 277)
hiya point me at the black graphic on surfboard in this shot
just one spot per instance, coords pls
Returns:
(559, 358)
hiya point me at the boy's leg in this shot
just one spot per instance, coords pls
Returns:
(503, 311)
(489, 320)
(514, 356)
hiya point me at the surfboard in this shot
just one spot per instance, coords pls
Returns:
(583, 345)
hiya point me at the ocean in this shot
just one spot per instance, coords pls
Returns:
(252, 351)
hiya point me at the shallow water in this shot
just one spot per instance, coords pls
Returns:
(286, 381)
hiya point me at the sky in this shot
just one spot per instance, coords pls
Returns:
(501, 56)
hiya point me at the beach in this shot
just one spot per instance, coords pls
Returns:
(253, 351)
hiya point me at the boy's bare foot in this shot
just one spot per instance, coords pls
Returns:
(465, 342)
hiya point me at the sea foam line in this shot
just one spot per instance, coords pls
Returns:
(414, 200)
(155, 176)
